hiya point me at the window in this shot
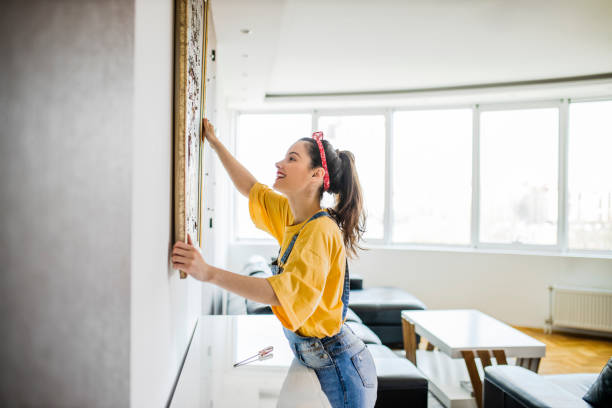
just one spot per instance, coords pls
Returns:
(432, 176)
(364, 136)
(590, 176)
(261, 141)
(542, 172)
(518, 176)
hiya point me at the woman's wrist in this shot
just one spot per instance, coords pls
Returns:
(213, 274)
(214, 143)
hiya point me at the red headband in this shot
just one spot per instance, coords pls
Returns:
(318, 136)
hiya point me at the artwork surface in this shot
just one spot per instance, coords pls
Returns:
(190, 47)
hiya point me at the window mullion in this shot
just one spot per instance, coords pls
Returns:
(475, 221)
(388, 215)
(562, 220)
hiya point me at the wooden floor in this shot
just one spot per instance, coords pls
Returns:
(571, 353)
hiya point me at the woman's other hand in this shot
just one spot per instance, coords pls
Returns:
(188, 259)
(208, 132)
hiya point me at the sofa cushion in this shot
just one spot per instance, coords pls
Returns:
(399, 374)
(383, 305)
(256, 263)
(400, 383)
(364, 333)
(352, 316)
(600, 392)
(355, 281)
(527, 388)
(381, 351)
(577, 384)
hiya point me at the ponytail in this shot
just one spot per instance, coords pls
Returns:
(348, 212)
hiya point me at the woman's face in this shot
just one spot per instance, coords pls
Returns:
(294, 173)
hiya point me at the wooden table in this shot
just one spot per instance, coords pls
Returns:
(470, 335)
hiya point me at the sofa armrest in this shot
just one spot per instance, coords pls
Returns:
(514, 386)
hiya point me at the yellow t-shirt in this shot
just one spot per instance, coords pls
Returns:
(310, 287)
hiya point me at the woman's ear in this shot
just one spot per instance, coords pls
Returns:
(319, 172)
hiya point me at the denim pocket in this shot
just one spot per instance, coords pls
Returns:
(364, 364)
(315, 357)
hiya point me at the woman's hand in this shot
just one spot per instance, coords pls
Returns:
(188, 259)
(208, 132)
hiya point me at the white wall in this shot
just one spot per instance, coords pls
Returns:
(510, 287)
(164, 307)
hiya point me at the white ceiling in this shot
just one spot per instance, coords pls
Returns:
(299, 46)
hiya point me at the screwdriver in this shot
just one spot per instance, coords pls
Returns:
(261, 355)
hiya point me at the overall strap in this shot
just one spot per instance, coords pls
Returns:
(346, 290)
(290, 247)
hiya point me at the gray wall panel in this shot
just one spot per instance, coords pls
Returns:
(66, 81)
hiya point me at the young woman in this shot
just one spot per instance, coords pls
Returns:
(309, 288)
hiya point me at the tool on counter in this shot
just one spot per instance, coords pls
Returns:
(261, 355)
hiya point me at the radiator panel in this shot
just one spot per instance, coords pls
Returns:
(589, 309)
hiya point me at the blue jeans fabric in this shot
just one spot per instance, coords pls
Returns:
(343, 364)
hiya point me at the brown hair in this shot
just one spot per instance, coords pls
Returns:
(348, 212)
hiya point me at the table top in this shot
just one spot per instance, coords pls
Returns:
(455, 330)
(208, 377)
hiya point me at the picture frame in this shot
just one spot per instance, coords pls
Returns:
(190, 42)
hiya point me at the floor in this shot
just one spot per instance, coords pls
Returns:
(565, 354)
(571, 353)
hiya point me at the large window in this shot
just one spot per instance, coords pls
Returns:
(590, 176)
(364, 136)
(261, 141)
(518, 176)
(532, 176)
(432, 176)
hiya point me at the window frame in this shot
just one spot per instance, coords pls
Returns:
(318, 113)
(559, 249)
(235, 117)
(496, 107)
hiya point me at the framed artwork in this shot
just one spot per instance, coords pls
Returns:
(189, 89)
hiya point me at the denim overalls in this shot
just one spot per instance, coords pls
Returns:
(342, 362)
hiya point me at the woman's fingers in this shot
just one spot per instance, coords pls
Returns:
(179, 254)
(181, 251)
(180, 244)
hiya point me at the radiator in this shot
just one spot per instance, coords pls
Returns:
(580, 308)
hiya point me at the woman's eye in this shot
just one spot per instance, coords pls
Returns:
(291, 158)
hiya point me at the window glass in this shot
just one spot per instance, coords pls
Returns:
(262, 140)
(590, 176)
(364, 136)
(432, 172)
(518, 176)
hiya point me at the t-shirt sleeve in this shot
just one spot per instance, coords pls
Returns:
(269, 210)
(300, 286)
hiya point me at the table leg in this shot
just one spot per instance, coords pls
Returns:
(500, 357)
(536, 365)
(410, 345)
(468, 356)
(485, 358)
(529, 363)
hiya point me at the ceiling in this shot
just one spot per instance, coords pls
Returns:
(383, 47)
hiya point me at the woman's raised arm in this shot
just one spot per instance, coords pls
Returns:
(242, 178)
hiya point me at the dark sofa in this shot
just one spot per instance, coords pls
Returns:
(517, 387)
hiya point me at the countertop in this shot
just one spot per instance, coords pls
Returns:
(208, 378)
